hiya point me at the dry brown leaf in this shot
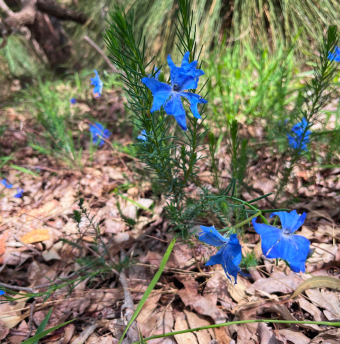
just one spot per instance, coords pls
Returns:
(184, 338)
(317, 282)
(279, 282)
(4, 330)
(3, 239)
(201, 304)
(295, 337)
(327, 337)
(36, 236)
(46, 210)
(149, 307)
(194, 321)
(311, 309)
(322, 300)
(267, 335)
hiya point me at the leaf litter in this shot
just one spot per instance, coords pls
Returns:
(43, 248)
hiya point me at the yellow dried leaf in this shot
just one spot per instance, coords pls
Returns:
(36, 236)
(317, 282)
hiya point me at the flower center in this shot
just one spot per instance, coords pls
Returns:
(286, 231)
(175, 87)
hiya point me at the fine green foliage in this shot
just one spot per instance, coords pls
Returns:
(248, 83)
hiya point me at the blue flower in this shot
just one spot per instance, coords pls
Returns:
(300, 136)
(229, 255)
(282, 243)
(98, 133)
(73, 100)
(335, 56)
(182, 78)
(98, 85)
(19, 193)
(142, 136)
(2, 292)
(158, 71)
(7, 185)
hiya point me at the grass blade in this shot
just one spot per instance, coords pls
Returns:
(150, 287)
(36, 337)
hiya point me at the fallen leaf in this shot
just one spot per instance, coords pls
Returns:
(36, 236)
(3, 330)
(294, 336)
(201, 304)
(3, 239)
(279, 282)
(184, 338)
(194, 321)
(267, 335)
(317, 282)
(328, 337)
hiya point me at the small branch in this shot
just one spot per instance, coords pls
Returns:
(52, 8)
(5, 9)
(30, 290)
(132, 333)
(30, 323)
(95, 46)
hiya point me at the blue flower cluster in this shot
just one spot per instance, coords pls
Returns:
(300, 136)
(275, 243)
(335, 56)
(99, 133)
(169, 97)
(98, 85)
(9, 186)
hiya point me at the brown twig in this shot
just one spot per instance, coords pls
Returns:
(132, 333)
(30, 322)
(100, 51)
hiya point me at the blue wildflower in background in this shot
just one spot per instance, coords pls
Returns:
(98, 133)
(73, 100)
(158, 71)
(142, 136)
(300, 136)
(335, 56)
(19, 193)
(182, 78)
(5, 184)
(283, 243)
(229, 255)
(2, 292)
(98, 85)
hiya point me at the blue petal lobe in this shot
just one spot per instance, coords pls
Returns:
(270, 236)
(175, 108)
(291, 221)
(211, 236)
(161, 92)
(194, 99)
(229, 256)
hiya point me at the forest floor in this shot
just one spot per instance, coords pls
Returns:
(45, 251)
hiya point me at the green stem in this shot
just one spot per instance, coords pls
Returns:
(327, 323)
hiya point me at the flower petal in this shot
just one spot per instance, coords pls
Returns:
(229, 256)
(175, 108)
(294, 249)
(270, 236)
(161, 92)
(98, 85)
(184, 78)
(194, 99)
(291, 221)
(211, 236)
